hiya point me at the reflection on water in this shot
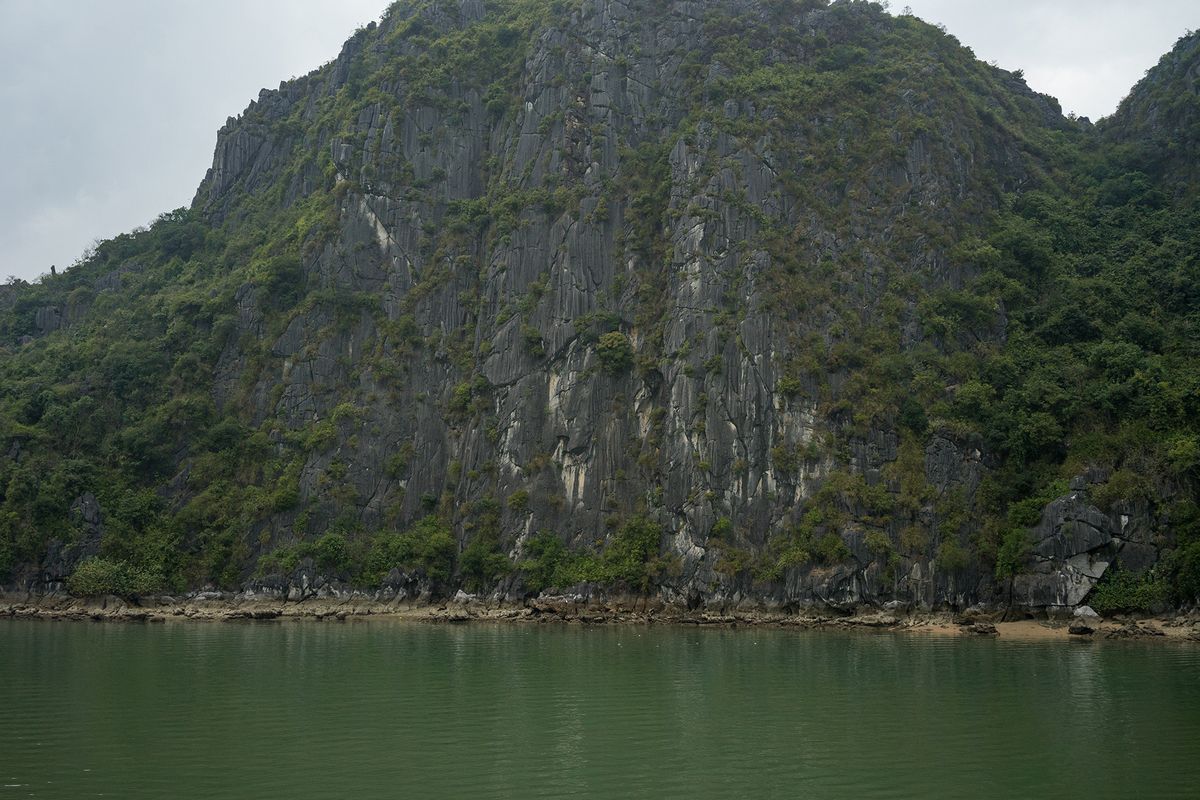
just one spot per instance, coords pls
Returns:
(390, 709)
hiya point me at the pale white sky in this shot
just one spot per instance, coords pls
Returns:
(111, 108)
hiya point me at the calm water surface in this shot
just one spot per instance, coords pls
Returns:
(380, 709)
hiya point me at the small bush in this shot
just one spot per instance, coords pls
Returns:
(802, 545)
(631, 557)
(1184, 564)
(1012, 553)
(830, 549)
(879, 544)
(789, 387)
(100, 576)
(518, 502)
(914, 540)
(631, 560)
(6, 557)
(1119, 591)
(283, 560)
(795, 554)
(397, 466)
(733, 562)
(722, 528)
(428, 546)
(533, 341)
(545, 556)
(952, 556)
(785, 459)
(332, 552)
(912, 416)
(483, 563)
(615, 352)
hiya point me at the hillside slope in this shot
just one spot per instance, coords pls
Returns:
(764, 301)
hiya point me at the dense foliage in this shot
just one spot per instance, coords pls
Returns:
(96, 577)
(1060, 335)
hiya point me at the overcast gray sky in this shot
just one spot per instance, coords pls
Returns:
(110, 109)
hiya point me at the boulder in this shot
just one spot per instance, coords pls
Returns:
(1073, 546)
(1132, 630)
(1069, 527)
(1136, 557)
(1057, 584)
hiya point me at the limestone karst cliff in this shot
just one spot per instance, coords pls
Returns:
(770, 301)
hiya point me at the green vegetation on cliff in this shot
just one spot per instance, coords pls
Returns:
(526, 296)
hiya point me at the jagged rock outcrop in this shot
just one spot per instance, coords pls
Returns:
(553, 266)
(1161, 116)
(692, 427)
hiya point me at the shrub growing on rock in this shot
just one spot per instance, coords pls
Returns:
(615, 352)
(952, 556)
(96, 577)
(1119, 591)
(427, 545)
(631, 557)
(545, 555)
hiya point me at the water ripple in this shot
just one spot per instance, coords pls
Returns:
(322, 710)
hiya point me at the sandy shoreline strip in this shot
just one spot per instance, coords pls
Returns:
(1180, 628)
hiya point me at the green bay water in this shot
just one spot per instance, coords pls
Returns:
(391, 709)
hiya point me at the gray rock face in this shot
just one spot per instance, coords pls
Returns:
(61, 557)
(47, 319)
(479, 361)
(1061, 584)
(950, 464)
(481, 249)
(1070, 527)
(1075, 543)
